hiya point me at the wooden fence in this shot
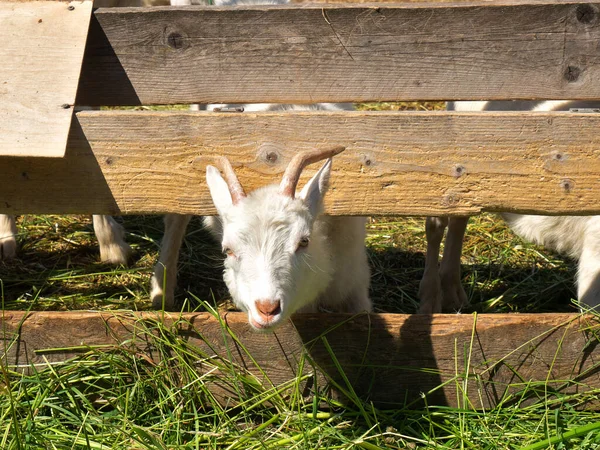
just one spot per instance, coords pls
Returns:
(137, 162)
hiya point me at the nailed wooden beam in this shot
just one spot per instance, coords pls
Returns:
(334, 53)
(390, 359)
(395, 163)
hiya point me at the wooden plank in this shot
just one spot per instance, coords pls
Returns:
(338, 53)
(389, 358)
(41, 53)
(395, 163)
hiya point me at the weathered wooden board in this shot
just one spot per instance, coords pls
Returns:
(41, 52)
(389, 358)
(334, 53)
(395, 163)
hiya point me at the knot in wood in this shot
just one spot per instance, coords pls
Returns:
(572, 74)
(586, 14)
(175, 40)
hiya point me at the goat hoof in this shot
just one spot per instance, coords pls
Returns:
(454, 297)
(116, 254)
(161, 299)
(161, 302)
(8, 248)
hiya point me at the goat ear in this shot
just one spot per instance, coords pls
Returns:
(313, 192)
(219, 191)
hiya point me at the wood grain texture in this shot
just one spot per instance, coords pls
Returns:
(394, 163)
(389, 358)
(338, 53)
(41, 56)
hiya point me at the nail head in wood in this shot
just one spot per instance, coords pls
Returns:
(567, 184)
(458, 170)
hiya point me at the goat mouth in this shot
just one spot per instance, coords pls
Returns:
(269, 326)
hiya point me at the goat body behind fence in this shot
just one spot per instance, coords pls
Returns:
(576, 236)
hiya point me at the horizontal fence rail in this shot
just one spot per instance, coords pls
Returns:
(390, 359)
(394, 163)
(335, 53)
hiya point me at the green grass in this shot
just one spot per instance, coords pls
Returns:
(116, 398)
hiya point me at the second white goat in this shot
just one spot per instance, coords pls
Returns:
(576, 236)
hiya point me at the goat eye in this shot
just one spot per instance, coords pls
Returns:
(303, 242)
(228, 252)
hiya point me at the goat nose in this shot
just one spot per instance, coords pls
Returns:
(268, 308)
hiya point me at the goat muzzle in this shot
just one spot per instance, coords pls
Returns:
(268, 309)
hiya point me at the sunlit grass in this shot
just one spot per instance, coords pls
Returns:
(116, 397)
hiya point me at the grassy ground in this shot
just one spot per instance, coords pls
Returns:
(58, 267)
(117, 399)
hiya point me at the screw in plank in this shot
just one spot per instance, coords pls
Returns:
(459, 170)
(450, 200)
(70, 7)
(567, 185)
(269, 153)
(271, 157)
(368, 160)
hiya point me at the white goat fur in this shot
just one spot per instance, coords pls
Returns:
(264, 229)
(576, 236)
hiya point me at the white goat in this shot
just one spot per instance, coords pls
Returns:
(282, 253)
(273, 280)
(576, 236)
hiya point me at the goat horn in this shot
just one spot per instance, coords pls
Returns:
(235, 188)
(299, 162)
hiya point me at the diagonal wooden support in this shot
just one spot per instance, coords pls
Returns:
(41, 52)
